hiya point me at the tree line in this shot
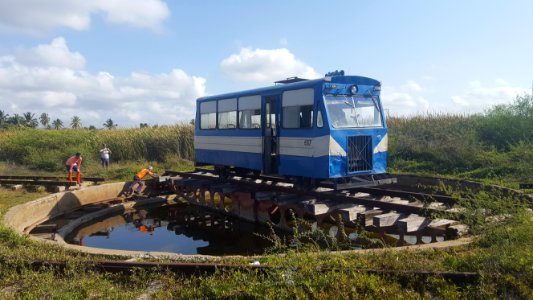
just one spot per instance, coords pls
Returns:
(30, 120)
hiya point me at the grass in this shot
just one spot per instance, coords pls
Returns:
(10, 198)
(496, 147)
(447, 145)
(48, 150)
(501, 254)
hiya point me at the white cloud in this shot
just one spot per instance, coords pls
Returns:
(55, 54)
(480, 97)
(459, 100)
(405, 99)
(39, 17)
(420, 97)
(265, 66)
(501, 81)
(413, 86)
(474, 84)
(139, 13)
(37, 82)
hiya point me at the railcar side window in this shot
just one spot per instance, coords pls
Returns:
(250, 112)
(319, 119)
(208, 115)
(298, 108)
(227, 113)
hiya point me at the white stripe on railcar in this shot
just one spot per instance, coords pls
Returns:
(297, 146)
(310, 147)
(382, 145)
(249, 144)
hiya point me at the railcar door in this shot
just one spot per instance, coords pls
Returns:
(270, 135)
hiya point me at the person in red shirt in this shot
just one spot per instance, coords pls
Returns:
(137, 179)
(73, 163)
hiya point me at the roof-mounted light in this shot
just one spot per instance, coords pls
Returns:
(335, 73)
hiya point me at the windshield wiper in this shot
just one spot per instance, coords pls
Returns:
(375, 103)
(354, 112)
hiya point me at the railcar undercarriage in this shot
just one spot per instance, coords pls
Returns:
(387, 209)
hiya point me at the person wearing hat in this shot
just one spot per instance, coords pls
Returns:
(137, 179)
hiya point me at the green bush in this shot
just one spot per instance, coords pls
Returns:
(496, 145)
(506, 125)
(448, 142)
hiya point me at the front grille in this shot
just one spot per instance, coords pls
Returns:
(359, 153)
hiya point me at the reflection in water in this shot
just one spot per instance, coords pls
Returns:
(181, 228)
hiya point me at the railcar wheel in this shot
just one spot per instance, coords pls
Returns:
(305, 183)
(222, 172)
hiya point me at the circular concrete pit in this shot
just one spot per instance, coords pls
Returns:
(26, 217)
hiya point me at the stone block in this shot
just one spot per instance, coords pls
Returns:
(16, 187)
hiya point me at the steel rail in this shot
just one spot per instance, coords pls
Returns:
(197, 269)
(370, 190)
(407, 194)
(37, 182)
(329, 195)
(38, 177)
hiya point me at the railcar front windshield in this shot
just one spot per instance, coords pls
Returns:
(353, 111)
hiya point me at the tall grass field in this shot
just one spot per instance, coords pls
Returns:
(47, 149)
(495, 146)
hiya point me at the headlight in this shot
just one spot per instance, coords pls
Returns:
(353, 89)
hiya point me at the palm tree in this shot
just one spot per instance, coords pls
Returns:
(16, 120)
(3, 118)
(109, 124)
(76, 122)
(30, 120)
(45, 120)
(57, 124)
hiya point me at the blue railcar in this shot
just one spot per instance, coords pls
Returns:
(321, 129)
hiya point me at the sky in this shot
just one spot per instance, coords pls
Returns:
(147, 61)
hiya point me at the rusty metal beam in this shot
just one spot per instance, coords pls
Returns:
(48, 178)
(330, 195)
(195, 269)
(37, 182)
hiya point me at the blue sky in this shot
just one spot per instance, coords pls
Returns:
(148, 60)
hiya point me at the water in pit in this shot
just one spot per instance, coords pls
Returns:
(181, 229)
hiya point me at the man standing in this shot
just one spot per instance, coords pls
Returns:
(104, 155)
(74, 164)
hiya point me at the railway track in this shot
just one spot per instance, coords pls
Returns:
(268, 199)
(202, 269)
(44, 180)
(385, 209)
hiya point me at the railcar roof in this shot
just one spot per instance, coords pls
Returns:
(276, 89)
